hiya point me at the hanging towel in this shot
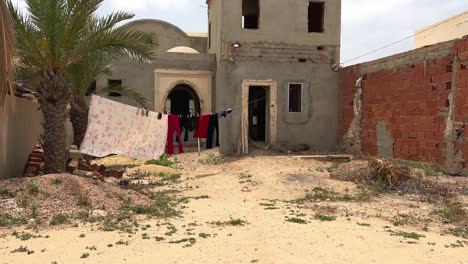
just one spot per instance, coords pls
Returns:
(115, 128)
(202, 126)
(174, 126)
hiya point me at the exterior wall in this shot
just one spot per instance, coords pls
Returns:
(20, 130)
(413, 106)
(141, 76)
(282, 52)
(166, 80)
(451, 28)
(282, 21)
(315, 126)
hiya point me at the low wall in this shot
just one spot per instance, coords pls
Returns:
(20, 130)
(411, 106)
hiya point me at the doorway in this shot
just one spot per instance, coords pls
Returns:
(257, 113)
(183, 101)
(265, 113)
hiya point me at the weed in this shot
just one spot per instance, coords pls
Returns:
(400, 220)
(319, 194)
(363, 224)
(333, 167)
(84, 255)
(5, 193)
(145, 236)
(297, 220)
(92, 248)
(7, 219)
(409, 235)
(34, 210)
(59, 219)
(32, 187)
(83, 200)
(82, 235)
(452, 212)
(57, 181)
(429, 169)
(212, 159)
(110, 245)
(170, 177)
(20, 250)
(162, 161)
(324, 218)
(204, 235)
(458, 232)
(122, 243)
(190, 241)
(232, 222)
(83, 215)
(159, 238)
(244, 175)
(172, 230)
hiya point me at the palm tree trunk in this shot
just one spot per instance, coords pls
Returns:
(79, 119)
(54, 97)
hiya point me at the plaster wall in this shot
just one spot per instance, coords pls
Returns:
(316, 125)
(167, 79)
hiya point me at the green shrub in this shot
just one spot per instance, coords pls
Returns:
(59, 219)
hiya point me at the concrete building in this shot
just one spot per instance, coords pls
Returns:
(448, 29)
(271, 61)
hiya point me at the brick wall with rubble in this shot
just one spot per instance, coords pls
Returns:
(410, 106)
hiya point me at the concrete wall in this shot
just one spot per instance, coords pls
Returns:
(451, 28)
(200, 81)
(142, 76)
(20, 130)
(411, 106)
(282, 21)
(315, 126)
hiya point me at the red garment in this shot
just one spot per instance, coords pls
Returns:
(174, 125)
(202, 127)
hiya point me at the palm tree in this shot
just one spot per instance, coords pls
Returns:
(7, 51)
(51, 38)
(81, 77)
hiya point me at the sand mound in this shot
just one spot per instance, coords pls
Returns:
(43, 197)
(118, 161)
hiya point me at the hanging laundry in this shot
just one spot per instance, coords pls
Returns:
(202, 126)
(213, 127)
(174, 126)
(115, 128)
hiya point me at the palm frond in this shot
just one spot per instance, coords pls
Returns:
(7, 52)
(126, 92)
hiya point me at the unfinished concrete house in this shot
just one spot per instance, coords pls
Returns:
(271, 61)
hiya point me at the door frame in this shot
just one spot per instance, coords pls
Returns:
(272, 113)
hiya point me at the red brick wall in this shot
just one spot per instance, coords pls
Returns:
(411, 99)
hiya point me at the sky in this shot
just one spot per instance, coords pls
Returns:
(366, 24)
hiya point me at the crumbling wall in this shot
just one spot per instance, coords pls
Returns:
(413, 105)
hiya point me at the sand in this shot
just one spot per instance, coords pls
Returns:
(267, 237)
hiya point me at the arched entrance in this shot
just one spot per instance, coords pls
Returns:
(183, 100)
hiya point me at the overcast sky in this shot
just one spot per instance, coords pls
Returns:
(366, 25)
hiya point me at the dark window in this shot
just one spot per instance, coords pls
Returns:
(316, 16)
(295, 97)
(250, 14)
(113, 83)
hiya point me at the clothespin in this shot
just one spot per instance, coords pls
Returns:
(147, 113)
(229, 110)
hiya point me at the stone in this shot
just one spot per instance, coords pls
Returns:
(31, 221)
(98, 213)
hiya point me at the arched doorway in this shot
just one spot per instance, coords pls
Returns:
(183, 100)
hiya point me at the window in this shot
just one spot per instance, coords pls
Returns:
(250, 14)
(295, 97)
(316, 17)
(113, 83)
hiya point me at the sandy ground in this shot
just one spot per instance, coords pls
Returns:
(267, 237)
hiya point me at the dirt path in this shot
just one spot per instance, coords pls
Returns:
(253, 189)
